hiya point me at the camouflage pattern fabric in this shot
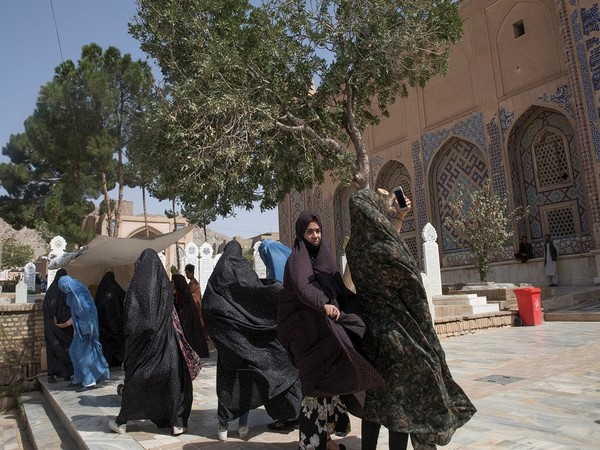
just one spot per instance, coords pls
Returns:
(419, 396)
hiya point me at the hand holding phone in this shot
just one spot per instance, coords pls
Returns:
(401, 199)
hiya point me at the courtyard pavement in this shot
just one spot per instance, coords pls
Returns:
(534, 388)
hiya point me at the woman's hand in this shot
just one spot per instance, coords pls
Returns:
(401, 213)
(332, 311)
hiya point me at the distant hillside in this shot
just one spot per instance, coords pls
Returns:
(212, 237)
(25, 236)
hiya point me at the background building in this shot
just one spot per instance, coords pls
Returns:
(519, 106)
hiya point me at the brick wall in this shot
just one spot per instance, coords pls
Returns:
(21, 340)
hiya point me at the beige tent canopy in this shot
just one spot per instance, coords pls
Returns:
(118, 255)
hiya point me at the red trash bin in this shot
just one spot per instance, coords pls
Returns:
(530, 305)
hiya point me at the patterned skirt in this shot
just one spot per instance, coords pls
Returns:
(321, 417)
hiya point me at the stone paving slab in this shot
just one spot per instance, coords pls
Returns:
(534, 387)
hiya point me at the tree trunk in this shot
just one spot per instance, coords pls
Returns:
(120, 177)
(205, 238)
(175, 229)
(145, 210)
(362, 175)
(107, 206)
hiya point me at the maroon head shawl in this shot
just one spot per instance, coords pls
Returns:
(322, 349)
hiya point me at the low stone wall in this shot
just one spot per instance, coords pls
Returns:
(468, 324)
(21, 340)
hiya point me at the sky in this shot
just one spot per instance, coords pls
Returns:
(30, 50)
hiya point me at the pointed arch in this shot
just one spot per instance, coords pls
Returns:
(459, 164)
(391, 176)
(546, 174)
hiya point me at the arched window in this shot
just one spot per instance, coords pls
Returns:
(552, 163)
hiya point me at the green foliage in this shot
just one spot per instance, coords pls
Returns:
(260, 100)
(15, 255)
(483, 223)
(72, 148)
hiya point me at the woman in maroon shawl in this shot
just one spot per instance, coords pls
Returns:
(188, 316)
(315, 327)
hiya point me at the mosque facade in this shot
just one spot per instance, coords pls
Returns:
(519, 107)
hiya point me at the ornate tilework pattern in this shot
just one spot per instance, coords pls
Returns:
(419, 183)
(496, 164)
(470, 129)
(285, 235)
(588, 26)
(506, 119)
(580, 116)
(520, 153)
(318, 201)
(461, 165)
(561, 97)
(375, 163)
(392, 175)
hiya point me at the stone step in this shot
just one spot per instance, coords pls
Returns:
(43, 425)
(459, 299)
(572, 316)
(83, 417)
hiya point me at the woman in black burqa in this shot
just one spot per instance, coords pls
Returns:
(158, 384)
(188, 316)
(253, 369)
(318, 329)
(58, 340)
(109, 304)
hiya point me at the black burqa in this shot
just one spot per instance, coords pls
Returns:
(58, 340)
(322, 348)
(188, 316)
(157, 383)
(240, 314)
(109, 304)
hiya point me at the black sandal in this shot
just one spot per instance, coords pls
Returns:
(280, 425)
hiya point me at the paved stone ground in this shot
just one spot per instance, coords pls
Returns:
(534, 388)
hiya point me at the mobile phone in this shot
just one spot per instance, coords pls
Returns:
(399, 193)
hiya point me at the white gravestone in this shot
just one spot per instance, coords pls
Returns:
(57, 248)
(431, 258)
(191, 257)
(259, 266)
(163, 259)
(29, 276)
(21, 292)
(206, 265)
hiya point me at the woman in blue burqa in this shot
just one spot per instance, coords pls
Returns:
(58, 340)
(109, 303)
(274, 254)
(159, 363)
(419, 397)
(253, 369)
(89, 364)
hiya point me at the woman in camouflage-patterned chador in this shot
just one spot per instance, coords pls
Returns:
(316, 329)
(419, 397)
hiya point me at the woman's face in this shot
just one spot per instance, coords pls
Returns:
(313, 233)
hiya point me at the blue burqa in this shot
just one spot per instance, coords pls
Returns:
(274, 254)
(89, 364)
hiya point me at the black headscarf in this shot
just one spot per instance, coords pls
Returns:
(240, 313)
(419, 396)
(109, 304)
(322, 349)
(157, 382)
(58, 340)
(188, 316)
